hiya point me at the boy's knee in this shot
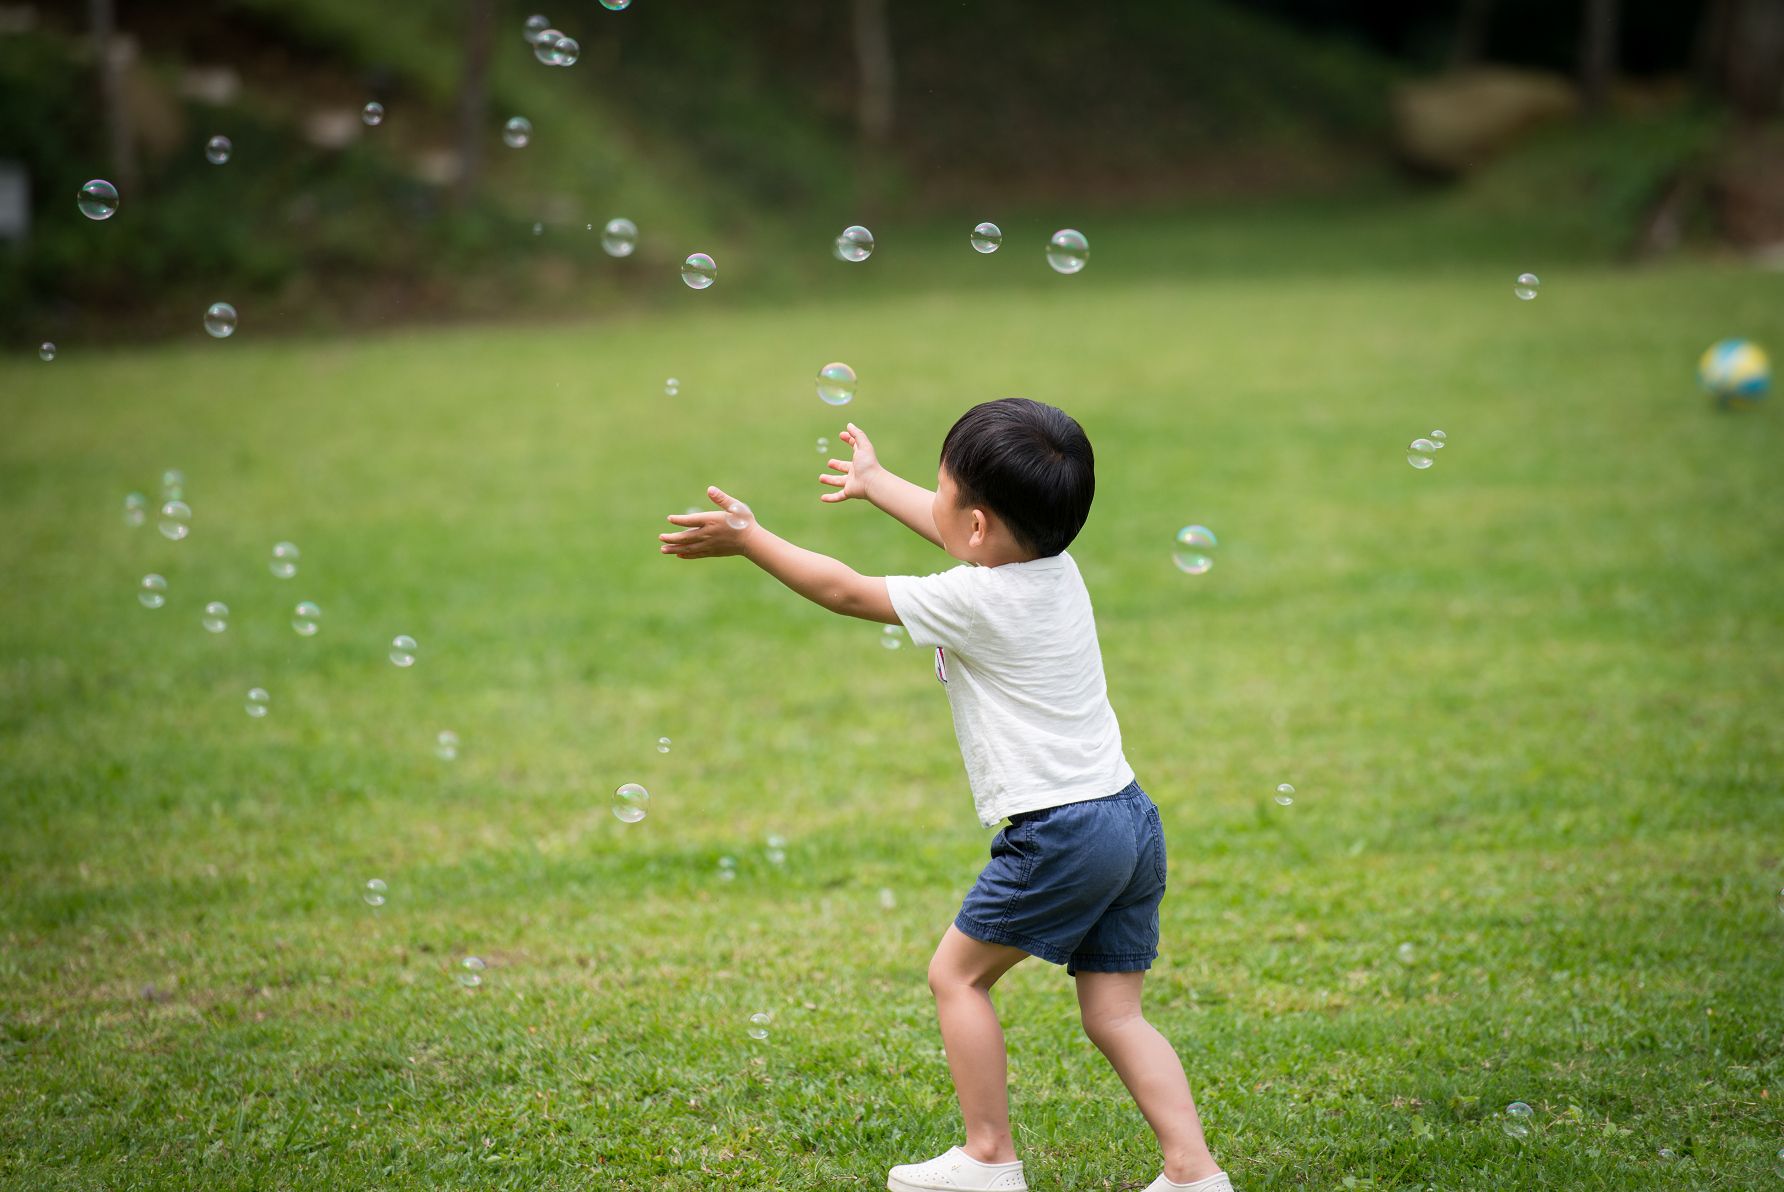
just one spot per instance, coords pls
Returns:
(1108, 1024)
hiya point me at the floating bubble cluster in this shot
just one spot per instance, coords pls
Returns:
(517, 132)
(758, 1028)
(284, 561)
(306, 618)
(671, 388)
(258, 702)
(470, 972)
(836, 384)
(152, 591)
(372, 114)
(1527, 286)
(629, 803)
(699, 271)
(402, 650)
(1068, 251)
(1194, 550)
(664, 744)
(1438, 439)
(376, 892)
(534, 27)
(619, 238)
(98, 199)
(892, 636)
(823, 445)
(216, 617)
(46, 351)
(855, 243)
(987, 237)
(219, 320)
(1285, 795)
(446, 746)
(217, 150)
(176, 520)
(1421, 453)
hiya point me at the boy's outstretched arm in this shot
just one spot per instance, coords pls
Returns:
(819, 578)
(864, 477)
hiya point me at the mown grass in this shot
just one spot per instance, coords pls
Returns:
(1529, 699)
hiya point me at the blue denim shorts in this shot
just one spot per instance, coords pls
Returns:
(1078, 885)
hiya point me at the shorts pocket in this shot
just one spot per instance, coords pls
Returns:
(1156, 832)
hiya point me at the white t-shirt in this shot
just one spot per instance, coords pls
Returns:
(1016, 646)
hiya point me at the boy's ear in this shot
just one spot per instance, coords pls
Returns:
(981, 526)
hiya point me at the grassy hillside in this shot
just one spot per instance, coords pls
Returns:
(1528, 698)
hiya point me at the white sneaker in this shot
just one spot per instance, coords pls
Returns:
(956, 1171)
(1217, 1182)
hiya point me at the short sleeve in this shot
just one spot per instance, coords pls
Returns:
(937, 610)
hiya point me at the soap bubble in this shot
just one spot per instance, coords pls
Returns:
(727, 869)
(98, 199)
(759, 1026)
(258, 702)
(1526, 286)
(619, 238)
(535, 25)
(538, 229)
(628, 803)
(1285, 795)
(1667, 1154)
(888, 900)
(671, 387)
(446, 745)
(219, 320)
(1421, 453)
(173, 485)
(216, 617)
(176, 520)
(152, 591)
(823, 445)
(1438, 439)
(836, 384)
(567, 50)
(855, 243)
(987, 237)
(306, 618)
(1517, 1119)
(470, 972)
(46, 351)
(616, 5)
(402, 650)
(777, 856)
(1194, 551)
(284, 561)
(738, 516)
(1068, 251)
(372, 114)
(375, 892)
(1406, 953)
(545, 47)
(892, 636)
(136, 509)
(699, 271)
(664, 744)
(517, 132)
(217, 150)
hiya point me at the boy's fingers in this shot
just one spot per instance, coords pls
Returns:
(840, 465)
(832, 481)
(719, 497)
(831, 497)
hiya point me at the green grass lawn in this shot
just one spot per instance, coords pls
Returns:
(1530, 699)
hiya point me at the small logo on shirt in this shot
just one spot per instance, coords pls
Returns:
(941, 665)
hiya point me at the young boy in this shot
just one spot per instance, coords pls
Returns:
(1077, 876)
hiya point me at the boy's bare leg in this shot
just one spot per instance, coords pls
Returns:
(961, 975)
(1149, 1067)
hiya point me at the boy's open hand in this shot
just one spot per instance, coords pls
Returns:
(856, 473)
(710, 535)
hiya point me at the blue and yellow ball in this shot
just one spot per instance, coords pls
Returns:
(1734, 372)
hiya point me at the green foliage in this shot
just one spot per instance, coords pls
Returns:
(1528, 698)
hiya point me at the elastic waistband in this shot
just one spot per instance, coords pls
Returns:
(1130, 791)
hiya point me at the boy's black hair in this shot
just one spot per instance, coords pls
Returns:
(1027, 462)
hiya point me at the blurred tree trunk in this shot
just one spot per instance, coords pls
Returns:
(473, 97)
(1741, 54)
(873, 101)
(111, 54)
(1470, 45)
(1598, 53)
